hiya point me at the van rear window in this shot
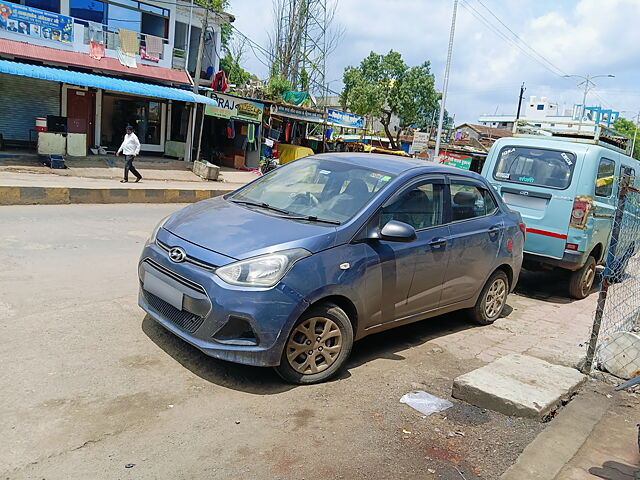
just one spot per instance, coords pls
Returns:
(535, 166)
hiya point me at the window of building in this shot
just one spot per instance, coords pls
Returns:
(48, 5)
(540, 107)
(420, 207)
(606, 173)
(90, 10)
(122, 17)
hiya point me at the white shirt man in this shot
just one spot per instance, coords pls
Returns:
(130, 148)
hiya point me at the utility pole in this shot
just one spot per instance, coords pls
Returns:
(522, 90)
(446, 81)
(635, 134)
(588, 84)
(196, 88)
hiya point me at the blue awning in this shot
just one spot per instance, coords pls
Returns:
(100, 81)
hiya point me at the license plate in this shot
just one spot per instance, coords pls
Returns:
(163, 290)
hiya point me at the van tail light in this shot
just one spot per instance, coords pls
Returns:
(580, 212)
(571, 246)
(523, 229)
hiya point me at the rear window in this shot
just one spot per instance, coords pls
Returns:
(535, 166)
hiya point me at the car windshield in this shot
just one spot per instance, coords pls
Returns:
(535, 166)
(315, 187)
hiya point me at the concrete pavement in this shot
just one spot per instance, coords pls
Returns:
(26, 181)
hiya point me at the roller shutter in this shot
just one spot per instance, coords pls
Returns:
(22, 99)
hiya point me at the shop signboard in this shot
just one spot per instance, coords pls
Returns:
(420, 142)
(344, 119)
(233, 107)
(35, 23)
(456, 160)
(297, 114)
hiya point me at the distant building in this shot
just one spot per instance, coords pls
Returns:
(540, 110)
(480, 133)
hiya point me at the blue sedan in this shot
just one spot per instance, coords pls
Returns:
(291, 269)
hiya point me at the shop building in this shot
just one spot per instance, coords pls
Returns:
(70, 59)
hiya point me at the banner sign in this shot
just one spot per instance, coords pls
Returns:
(35, 23)
(420, 142)
(344, 119)
(233, 107)
(297, 113)
(456, 160)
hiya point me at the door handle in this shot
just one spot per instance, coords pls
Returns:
(495, 229)
(438, 242)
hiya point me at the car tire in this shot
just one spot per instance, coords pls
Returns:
(492, 299)
(581, 281)
(308, 359)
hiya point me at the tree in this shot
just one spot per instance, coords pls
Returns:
(231, 62)
(384, 85)
(628, 128)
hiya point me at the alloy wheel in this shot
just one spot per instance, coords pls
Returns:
(495, 298)
(314, 345)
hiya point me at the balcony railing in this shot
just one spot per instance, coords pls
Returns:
(112, 38)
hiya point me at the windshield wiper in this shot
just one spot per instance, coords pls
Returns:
(312, 218)
(266, 206)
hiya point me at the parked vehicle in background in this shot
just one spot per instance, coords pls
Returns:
(566, 190)
(292, 268)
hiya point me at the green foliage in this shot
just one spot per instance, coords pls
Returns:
(304, 80)
(235, 73)
(277, 86)
(384, 85)
(628, 128)
(219, 6)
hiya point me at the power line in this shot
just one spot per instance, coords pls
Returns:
(520, 39)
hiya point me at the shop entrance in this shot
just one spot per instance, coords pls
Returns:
(81, 111)
(147, 117)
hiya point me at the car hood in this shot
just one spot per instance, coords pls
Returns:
(242, 232)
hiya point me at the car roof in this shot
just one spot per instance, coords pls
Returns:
(393, 164)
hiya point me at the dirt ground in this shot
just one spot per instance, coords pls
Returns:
(90, 388)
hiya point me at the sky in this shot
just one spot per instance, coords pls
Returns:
(489, 63)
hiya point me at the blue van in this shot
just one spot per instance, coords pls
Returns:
(565, 187)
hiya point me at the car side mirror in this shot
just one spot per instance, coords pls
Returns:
(395, 231)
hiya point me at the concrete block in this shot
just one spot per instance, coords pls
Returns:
(619, 354)
(519, 385)
(9, 195)
(52, 143)
(77, 144)
(206, 170)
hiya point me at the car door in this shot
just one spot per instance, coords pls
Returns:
(476, 233)
(410, 275)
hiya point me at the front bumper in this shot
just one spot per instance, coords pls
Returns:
(242, 325)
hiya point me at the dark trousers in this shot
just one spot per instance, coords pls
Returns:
(128, 166)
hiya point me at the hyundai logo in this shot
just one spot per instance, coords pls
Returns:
(177, 255)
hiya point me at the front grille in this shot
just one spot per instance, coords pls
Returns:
(189, 259)
(185, 320)
(178, 278)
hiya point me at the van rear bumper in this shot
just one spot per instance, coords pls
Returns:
(570, 261)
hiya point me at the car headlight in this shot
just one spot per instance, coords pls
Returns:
(154, 234)
(263, 271)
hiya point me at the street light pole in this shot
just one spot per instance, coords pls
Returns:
(588, 83)
(635, 134)
(446, 81)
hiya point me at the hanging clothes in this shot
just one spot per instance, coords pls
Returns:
(231, 129)
(287, 132)
(96, 40)
(129, 47)
(251, 133)
(219, 83)
(154, 45)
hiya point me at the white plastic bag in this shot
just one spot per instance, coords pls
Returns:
(425, 403)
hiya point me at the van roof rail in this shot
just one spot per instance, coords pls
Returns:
(599, 134)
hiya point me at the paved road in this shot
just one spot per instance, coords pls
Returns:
(89, 385)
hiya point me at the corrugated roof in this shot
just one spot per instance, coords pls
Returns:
(489, 131)
(83, 60)
(101, 81)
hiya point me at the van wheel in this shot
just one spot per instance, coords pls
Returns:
(581, 280)
(318, 345)
(492, 299)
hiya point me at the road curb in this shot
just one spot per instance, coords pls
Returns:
(68, 195)
(560, 441)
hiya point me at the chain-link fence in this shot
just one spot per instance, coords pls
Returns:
(615, 338)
